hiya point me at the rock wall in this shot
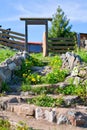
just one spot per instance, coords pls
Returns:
(8, 67)
(18, 105)
(70, 60)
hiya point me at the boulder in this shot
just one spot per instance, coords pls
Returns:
(70, 100)
(39, 113)
(70, 60)
(76, 118)
(12, 66)
(62, 119)
(50, 115)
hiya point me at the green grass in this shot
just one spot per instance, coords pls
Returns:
(6, 53)
(83, 54)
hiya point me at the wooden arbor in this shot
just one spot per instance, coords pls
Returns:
(36, 21)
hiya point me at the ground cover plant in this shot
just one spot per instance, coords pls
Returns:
(6, 53)
(83, 54)
(46, 101)
(56, 75)
(6, 125)
(28, 77)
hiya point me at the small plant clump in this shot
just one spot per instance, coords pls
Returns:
(5, 125)
(28, 77)
(46, 101)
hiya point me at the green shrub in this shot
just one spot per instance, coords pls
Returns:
(32, 78)
(22, 126)
(81, 91)
(55, 76)
(46, 101)
(55, 62)
(26, 67)
(25, 87)
(4, 125)
(5, 87)
(68, 90)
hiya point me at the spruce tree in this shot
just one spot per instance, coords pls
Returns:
(60, 25)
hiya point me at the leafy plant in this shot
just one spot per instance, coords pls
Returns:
(25, 87)
(5, 87)
(4, 125)
(46, 101)
(56, 62)
(22, 126)
(54, 77)
(81, 91)
(69, 90)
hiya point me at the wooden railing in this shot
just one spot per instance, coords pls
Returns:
(60, 45)
(12, 39)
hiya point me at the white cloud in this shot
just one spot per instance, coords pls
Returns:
(75, 10)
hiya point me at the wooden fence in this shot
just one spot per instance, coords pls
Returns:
(60, 45)
(12, 39)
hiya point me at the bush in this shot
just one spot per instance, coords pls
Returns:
(4, 125)
(46, 101)
(54, 77)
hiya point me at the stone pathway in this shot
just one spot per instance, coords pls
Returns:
(21, 112)
(37, 124)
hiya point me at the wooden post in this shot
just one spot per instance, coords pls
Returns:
(44, 44)
(26, 36)
(45, 41)
(46, 38)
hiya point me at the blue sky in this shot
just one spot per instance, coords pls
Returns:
(12, 10)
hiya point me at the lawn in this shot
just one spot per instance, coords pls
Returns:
(6, 53)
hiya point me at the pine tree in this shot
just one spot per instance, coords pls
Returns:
(60, 25)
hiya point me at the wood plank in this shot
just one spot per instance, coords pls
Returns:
(16, 33)
(58, 51)
(61, 47)
(11, 36)
(60, 38)
(11, 41)
(65, 43)
(12, 45)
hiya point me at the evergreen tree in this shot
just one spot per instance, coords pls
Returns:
(60, 25)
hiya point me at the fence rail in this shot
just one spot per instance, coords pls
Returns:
(60, 45)
(12, 39)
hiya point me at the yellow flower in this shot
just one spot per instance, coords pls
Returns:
(33, 79)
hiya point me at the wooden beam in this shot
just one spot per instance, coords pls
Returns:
(33, 19)
(36, 22)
